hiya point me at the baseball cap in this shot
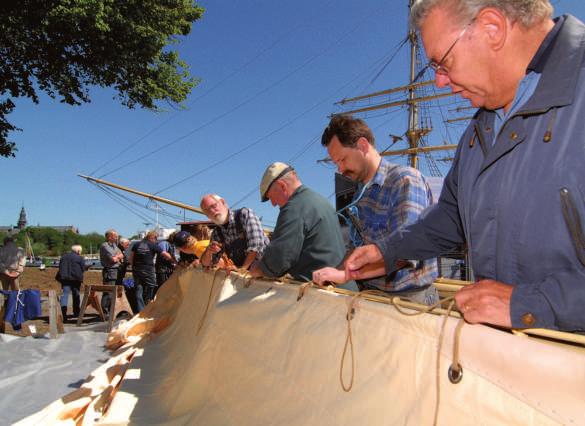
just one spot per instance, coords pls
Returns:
(181, 238)
(274, 172)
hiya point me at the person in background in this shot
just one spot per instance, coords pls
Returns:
(12, 261)
(142, 255)
(110, 258)
(515, 190)
(123, 246)
(307, 235)
(238, 234)
(70, 275)
(165, 265)
(190, 247)
(389, 196)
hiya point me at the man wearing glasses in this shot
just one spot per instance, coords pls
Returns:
(389, 197)
(515, 192)
(239, 234)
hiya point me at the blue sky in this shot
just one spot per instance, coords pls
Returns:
(270, 74)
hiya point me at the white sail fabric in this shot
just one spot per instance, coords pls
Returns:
(210, 351)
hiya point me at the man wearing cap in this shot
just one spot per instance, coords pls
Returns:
(389, 196)
(190, 248)
(238, 234)
(307, 235)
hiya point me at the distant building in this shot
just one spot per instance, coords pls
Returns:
(22, 222)
(62, 228)
(22, 219)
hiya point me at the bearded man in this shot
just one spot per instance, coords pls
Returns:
(238, 234)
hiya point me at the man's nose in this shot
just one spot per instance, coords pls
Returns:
(442, 80)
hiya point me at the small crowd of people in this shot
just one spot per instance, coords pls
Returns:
(152, 263)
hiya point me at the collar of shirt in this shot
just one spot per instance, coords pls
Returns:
(231, 219)
(378, 178)
(525, 90)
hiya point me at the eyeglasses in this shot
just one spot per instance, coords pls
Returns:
(438, 67)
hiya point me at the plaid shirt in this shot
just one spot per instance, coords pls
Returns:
(255, 238)
(394, 198)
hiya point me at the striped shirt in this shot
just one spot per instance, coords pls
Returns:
(394, 198)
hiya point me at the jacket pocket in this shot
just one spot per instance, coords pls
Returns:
(572, 204)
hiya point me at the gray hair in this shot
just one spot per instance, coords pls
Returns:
(76, 248)
(110, 232)
(214, 196)
(526, 12)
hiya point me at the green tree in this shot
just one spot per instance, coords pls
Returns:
(39, 249)
(63, 47)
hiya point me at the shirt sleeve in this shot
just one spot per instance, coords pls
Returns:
(409, 199)
(285, 246)
(21, 261)
(437, 230)
(254, 231)
(556, 302)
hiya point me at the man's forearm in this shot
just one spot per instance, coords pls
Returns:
(206, 258)
(250, 258)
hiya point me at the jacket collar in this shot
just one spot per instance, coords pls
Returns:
(559, 59)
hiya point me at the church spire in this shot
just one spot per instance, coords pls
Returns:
(22, 219)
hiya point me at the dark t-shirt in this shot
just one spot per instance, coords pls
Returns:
(144, 252)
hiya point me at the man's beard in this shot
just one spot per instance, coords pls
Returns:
(220, 219)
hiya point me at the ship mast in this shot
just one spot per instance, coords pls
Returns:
(416, 130)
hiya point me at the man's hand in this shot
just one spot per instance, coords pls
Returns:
(255, 271)
(329, 274)
(486, 301)
(214, 247)
(364, 262)
(12, 274)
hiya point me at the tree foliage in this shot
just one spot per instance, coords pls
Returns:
(63, 47)
(51, 242)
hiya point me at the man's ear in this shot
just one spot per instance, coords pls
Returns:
(493, 24)
(363, 145)
(281, 184)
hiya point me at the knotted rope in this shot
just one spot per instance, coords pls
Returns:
(394, 302)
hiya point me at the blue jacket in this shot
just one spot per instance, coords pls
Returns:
(71, 267)
(515, 202)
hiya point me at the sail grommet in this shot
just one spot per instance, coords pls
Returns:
(455, 373)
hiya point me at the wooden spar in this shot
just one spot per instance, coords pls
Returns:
(385, 92)
(144, 194)
(453, 120)
(411, 151)
(396, 103)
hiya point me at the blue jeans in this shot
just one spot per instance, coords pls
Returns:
(144, 289)
(73, 287)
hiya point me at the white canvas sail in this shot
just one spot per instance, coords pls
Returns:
(211, 350)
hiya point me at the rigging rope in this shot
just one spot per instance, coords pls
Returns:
(208, 91)
(247, 101)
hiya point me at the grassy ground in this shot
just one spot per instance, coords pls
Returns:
(45, 280)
